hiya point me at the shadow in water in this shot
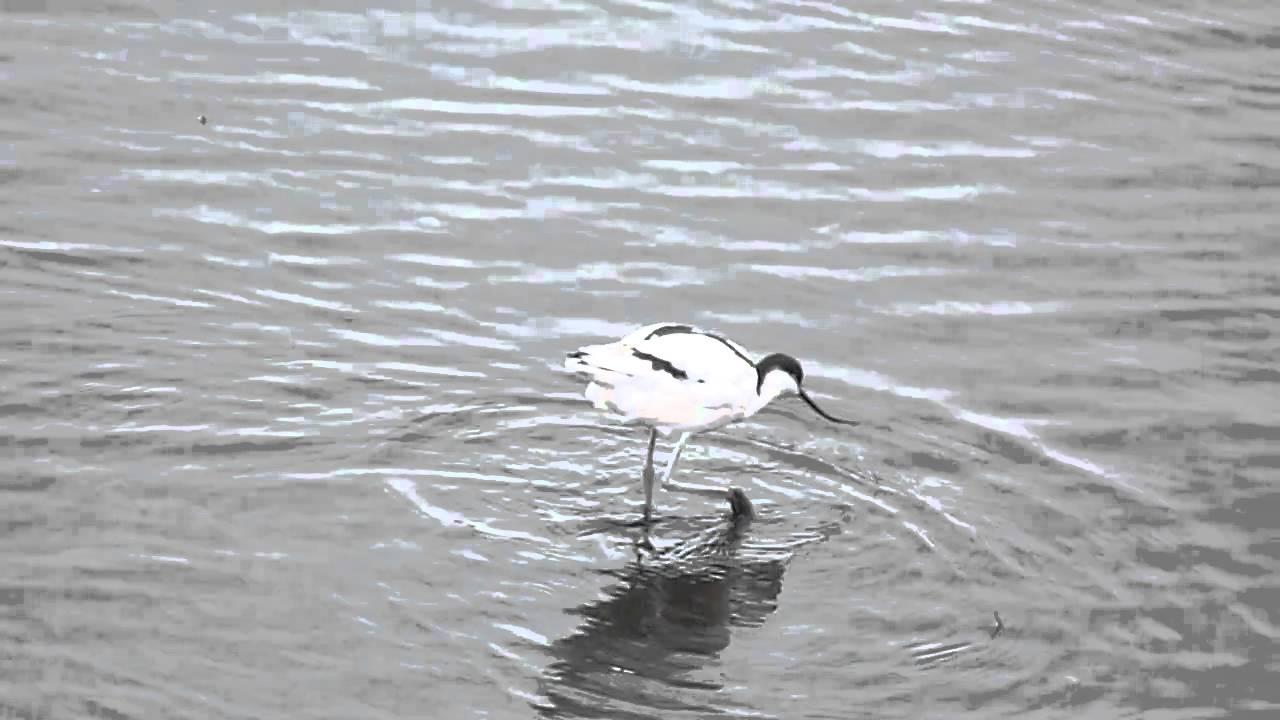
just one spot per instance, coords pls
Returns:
(638, 652)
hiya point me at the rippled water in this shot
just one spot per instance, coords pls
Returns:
(284, 430)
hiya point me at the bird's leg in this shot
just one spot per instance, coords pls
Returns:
(648, 476)
(675, 456)
(644, 543)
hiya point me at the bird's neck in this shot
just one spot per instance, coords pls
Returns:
(775, 383)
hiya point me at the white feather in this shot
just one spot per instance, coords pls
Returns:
(684, 381)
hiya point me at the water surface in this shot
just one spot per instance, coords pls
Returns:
(284, 432)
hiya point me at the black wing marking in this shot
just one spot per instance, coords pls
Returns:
(663, 365)
(675, 329)
(669, 330)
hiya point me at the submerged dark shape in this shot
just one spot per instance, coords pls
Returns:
(740, 507)
(666, 617)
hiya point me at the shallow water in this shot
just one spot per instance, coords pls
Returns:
(284, 431)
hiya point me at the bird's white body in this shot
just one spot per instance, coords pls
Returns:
(684, 381)
(674, 377)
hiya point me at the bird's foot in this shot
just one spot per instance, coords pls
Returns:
(645, 544)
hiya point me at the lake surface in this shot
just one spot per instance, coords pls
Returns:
(284, 433)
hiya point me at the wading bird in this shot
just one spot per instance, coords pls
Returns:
(673, 377)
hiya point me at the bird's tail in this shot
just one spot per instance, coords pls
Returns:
(601, 363)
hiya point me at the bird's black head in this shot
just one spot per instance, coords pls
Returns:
(778, 361)
(791, 366)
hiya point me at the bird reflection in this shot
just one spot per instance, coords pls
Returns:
(639, 651)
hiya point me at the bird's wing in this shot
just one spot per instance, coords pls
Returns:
(668, 374)
(712, 372)
(680, 351)
(700, 355)
(620, 347)
(671, 351)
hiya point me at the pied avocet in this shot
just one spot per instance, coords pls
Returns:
(674, 377)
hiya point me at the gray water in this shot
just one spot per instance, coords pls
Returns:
(284, 430)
